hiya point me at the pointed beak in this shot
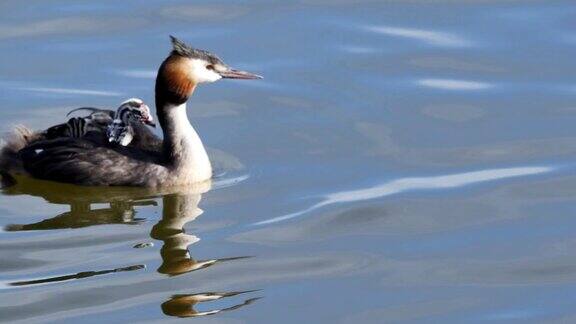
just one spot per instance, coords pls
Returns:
(150, 123)
(147, 118)
(237, 74)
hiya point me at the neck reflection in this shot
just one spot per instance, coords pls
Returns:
(180, 209)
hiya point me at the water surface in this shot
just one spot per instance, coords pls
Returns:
(402, 161)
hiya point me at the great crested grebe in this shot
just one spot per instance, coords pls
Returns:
(182, 159)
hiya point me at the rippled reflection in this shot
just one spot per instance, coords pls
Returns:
(82, 215)
(178, 210)
(80, 199)
(179, 207)
(183, 305)
(79, 275)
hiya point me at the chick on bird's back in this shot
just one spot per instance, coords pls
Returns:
(118, 126)
(130, 113)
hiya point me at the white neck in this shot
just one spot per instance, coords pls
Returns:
(190, 160)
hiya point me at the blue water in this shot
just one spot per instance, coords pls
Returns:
(402, 161)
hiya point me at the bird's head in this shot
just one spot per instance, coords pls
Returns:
(187, 67)
(135, 110)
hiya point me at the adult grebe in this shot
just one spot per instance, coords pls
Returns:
(181, 161)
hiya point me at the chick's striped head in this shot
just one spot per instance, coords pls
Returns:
(134, 110)
(130, 113)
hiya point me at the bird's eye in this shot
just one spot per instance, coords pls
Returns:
(210, 67)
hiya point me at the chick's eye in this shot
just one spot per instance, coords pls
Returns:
(210, 67)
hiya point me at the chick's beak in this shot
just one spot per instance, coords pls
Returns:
(147, 117)
(150, 122)
(237, 74)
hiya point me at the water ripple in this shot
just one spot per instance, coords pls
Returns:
(430, 37)
(69, 25)
(138, 73)
(68, 91)
(451, 84)
(415, 183)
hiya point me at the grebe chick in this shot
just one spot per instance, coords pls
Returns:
(131, 113)
(181, 160)
(77, 127)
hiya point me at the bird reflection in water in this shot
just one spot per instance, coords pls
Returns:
(79, 275)
(183, 305)
(80, 199)
(178, 210)
(82, 215)
(179, 207)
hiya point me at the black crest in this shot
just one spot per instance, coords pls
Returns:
(182, 49)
